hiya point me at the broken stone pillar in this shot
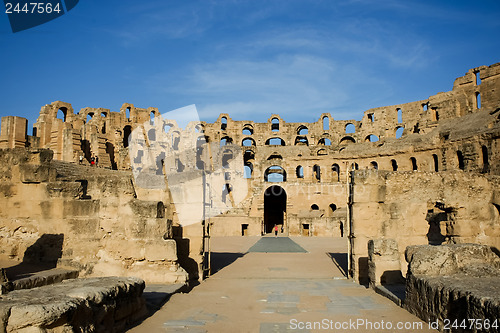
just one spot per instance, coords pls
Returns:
(13, 132)
(384, 266)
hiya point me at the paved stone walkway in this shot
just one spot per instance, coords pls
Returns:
(280, 292)
(276, 244)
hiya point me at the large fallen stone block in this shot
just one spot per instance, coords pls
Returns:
(454, 285)
(106, 304)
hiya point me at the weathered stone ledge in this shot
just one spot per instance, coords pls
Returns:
(106, 304)
(39, 279)
(454, 285)
(454, 298)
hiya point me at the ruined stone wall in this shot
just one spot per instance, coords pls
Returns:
(421, 207)
(449, 136)
(90, 219)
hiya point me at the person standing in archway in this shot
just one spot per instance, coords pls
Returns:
(275, 230)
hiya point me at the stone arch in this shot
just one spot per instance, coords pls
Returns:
(275, 199)
(350, 128)
(275, 124)
(275, 142)
(247, 142)
(302, 130)
(301, 140)
(275, 174)
(127, 130)
(336, 172)
(347, 140)
(247, 129)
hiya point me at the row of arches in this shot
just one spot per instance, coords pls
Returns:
(303, 140)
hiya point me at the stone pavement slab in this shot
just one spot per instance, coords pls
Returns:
(280, 292)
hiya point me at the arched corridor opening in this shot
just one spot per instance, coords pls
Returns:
(274, 208)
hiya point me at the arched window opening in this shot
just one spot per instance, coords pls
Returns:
(127, 112)
(333, 207)
(325, 142)
(301, 141)
(478, 78)
(394, 164)
(347, 140)
(371, 117)
(326, 123)
(371, 138)
(435, 161)
(152, 135)
(126, 135)
(300, 171)
(275, 174)
(336, 172)
(200, 163)
(314, 207)
(414, 165)
(247, 142)
(104, 114)
(374, 165)
(247, 130)
(152, 118)
(160, 210)
(400, 115)
(350, 128)
(460, 158)
(167, 127)
(478, 100)
(317, 172)
(248, 155)
(90, 115)
(227, 157)
(223, 123)
(322, 152)
(425, 106)
(354, 166)
(176, 139)
(248, 170)
(225, 141)
(486, 163)
(275, 124)
(275, 142)
(275, 157)
(399, 132)
(199, 128)
(226, 193)
(302, 130)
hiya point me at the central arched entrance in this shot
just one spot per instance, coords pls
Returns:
(274, 208)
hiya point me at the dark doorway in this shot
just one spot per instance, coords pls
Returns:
(274, 208)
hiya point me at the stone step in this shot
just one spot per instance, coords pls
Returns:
(35, 279)
(108, 304)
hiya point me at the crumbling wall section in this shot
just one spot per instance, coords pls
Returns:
(82, 217)
(420, 208)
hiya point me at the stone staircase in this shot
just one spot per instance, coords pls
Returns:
(72, 171)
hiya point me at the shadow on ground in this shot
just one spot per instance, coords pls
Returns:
(219, 260)
(340, 260)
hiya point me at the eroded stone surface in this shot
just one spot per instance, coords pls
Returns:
(454, 282)
(79, 305)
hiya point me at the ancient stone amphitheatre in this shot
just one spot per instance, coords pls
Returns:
(97, 205)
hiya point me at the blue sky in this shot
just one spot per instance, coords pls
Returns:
(246, 58)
